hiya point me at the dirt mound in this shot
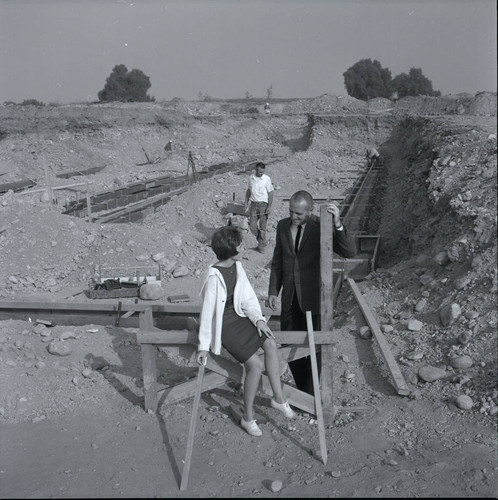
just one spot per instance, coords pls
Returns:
(327, 104)
(482, 104)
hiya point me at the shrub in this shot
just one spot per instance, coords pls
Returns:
(126, 86)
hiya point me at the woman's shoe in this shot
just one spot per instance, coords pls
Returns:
(284, 408)
(251, 427)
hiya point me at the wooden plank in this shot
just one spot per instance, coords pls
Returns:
(399, 381)
(179, 392)
(316, 389)
(149, 364)
(327, 310)
(164, 337)
(191, 431)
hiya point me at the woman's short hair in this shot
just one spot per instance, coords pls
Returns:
(225, 241)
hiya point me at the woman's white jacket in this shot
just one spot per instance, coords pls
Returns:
(214, 296)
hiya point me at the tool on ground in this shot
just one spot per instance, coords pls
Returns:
(316, 389)
(191, 431)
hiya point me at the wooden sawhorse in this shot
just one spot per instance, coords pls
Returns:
(184, 343)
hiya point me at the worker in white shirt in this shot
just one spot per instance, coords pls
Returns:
(260, 196)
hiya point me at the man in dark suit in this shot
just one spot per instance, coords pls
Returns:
(295, 270)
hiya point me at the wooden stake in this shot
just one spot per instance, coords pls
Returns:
(191, 432)
(316, 389)
(88, 204)
(327, 309)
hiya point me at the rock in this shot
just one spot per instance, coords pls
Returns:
(349, 375)
(471, 314)
(13, 279)
(442, 258)
(415, 394)
(414, 325)
(67, 335)
(425, 279)
(462, 362)
(181, 271)
(158, 256)
(365, 332)
(464, 337)
(387, 328)
(142, 257)
(87, 373)
(415, 355)
(430, 373)
(462, 282)
(464, 402)
(492, 137)
(151, 291)
(59, 348)
(420, 305)
(276, 486)
(449, 313)
(467, 195)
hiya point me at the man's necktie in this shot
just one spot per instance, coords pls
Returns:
(298, 237)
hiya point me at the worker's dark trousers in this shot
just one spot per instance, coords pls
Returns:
(295, 320)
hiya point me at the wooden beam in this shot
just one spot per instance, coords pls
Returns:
(185, 390)
(316, 389)
(149, 364)
(164, 337)
(327, 310)
(399, 381)
(191, 432)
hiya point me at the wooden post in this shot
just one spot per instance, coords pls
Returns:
(149, 363)
(316, 389)
(327, 310)
(191, 431)
(88, 204)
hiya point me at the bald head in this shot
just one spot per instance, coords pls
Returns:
(300, 207)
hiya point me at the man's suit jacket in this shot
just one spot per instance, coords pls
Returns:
(302, 271)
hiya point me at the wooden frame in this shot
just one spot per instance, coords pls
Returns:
(184, 343)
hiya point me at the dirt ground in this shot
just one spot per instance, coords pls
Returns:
(74, 425)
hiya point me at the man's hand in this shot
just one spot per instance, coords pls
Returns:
(334, 210)
(272, 301)
(264, 328)
(201, 357)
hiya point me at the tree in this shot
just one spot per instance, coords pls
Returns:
(415, 83)
(367, 79)
(126, 86)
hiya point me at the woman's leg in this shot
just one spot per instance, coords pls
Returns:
(254, 369)
(272, 364)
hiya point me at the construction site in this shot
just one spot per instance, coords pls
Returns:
(106, 216)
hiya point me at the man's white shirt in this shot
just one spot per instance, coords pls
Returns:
(259, 188)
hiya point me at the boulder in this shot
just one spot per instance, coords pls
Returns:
(462, 362)
(414, 325)
(180, 271)
(430, 373)
(420, 306)
(59, 348)
(464, 402)
(449, 313)
(442, 258)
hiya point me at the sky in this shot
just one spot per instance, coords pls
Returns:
(62, 51)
